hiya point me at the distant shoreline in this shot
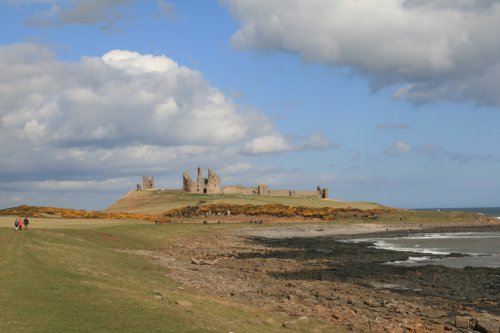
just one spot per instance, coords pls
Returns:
(488, 211)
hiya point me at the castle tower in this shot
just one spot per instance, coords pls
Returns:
(263, 190)
(213, 182)
(148, 182)
(200, 182)
(187, 183)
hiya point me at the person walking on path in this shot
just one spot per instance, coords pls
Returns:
(26, 222)
(20, 225)
(16, 224)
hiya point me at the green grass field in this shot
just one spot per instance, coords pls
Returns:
(65, 275)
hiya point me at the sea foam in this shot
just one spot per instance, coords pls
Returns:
(383, 245)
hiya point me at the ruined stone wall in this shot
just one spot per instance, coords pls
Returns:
(305, 194)
(279, 193)
(264, 190)
(299, 194)
(239, 190)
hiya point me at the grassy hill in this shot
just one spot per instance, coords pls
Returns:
(165, 205)
(67, 275)
(160, 201)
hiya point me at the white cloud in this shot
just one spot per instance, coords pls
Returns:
(276, 143)
(122, 98)
(235, 169)
(399, 148)
(136, 63)
(317, 141)
(436, 50)
(268, 144)
(120, 113)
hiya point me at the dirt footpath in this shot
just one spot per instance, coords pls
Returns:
(338, 282)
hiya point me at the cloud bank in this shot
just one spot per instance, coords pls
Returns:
(119, 116)
(115, 114)
(443, 50)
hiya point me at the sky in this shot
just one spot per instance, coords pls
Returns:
(388, 101)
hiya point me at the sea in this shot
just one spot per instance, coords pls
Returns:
(488, 211)
(451, 249)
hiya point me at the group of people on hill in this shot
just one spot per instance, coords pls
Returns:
(20, 224)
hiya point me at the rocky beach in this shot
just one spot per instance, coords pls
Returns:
(309, 272)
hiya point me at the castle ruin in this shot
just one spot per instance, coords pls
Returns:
(212, 185)
(148, 182)
(202, 185)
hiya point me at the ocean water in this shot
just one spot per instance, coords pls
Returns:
(488, 211)
(452, 249)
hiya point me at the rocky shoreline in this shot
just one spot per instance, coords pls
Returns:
(344, 283)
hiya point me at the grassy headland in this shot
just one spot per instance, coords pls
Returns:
(160, 201)
(175, 206)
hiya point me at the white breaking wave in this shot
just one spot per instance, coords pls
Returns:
(478, 249)
(447, 235)
(383, 245)
(410, 260)
(418, 259)
(411, 243)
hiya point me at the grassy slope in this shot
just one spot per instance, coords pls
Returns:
(156, 202)
(65, 276)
